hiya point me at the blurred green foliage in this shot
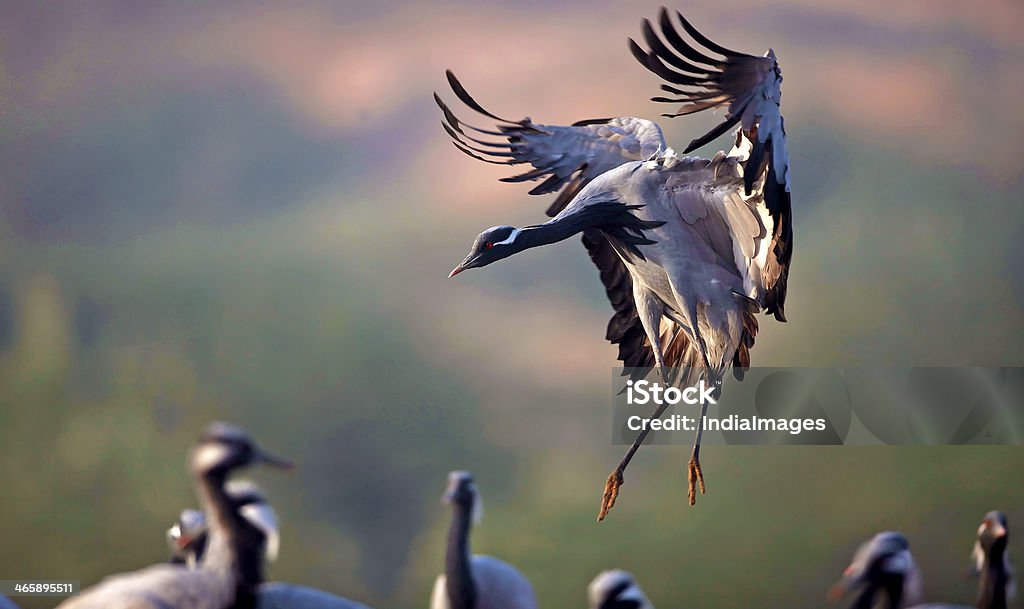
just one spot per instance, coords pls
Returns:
(185, 236)
(117, 358)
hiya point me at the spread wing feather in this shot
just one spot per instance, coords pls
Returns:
(750, 89)
(565, 157)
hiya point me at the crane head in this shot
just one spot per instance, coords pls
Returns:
(461, 492)
(616, 589)
(993, 531)
(225, 447)
(493, 244)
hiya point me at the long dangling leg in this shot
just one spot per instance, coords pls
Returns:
(650, 309)
(694, 473)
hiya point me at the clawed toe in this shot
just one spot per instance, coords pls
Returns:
(695, 479)
(611, 492)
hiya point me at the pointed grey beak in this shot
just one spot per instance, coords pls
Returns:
(471, 262)
(273, 460)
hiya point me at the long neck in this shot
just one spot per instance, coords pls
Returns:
(894, 592)
(553, 231)
(994, 579)
(226, 553)
(457, 571)
(866, 598)
(606, 214)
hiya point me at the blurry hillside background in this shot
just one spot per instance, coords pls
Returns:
(247, 211)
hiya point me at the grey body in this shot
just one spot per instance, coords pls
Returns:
(500, 586)
(702, 272)
(221, 581)
(277, 595)
(160, 587)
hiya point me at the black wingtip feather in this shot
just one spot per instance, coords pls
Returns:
(480, 158)
(467, 99)
(705, 41)
(713, 134)
(668, 30)
(659, 49)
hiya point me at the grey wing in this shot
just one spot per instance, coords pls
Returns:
(750, 88)
(501, 586)
(565, 157)
(6, 603)
(278, 595)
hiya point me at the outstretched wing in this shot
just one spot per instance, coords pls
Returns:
(565, 157)
(750, 88)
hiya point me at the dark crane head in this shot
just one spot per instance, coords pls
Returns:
(881, 565)
(993, 536)
(616, 589)
(461, 493)
(490, 246)
(224, 447)
(994, 533)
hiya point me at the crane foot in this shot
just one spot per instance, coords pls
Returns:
(611, 492)
(696, 478)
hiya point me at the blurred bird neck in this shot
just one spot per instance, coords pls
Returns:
(224, 552)
(894, 592)
(866, 598)
(457, 570)
(994, 580)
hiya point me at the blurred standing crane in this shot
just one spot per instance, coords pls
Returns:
(188, 538)
(226, 578)
(881, 566)
(474, 581)
(986, 563)
(884, 567)
(689, 249)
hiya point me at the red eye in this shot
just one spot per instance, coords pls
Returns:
(488, 245)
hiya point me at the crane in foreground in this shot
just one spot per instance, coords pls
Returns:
(188, 538)
(689, 249)
(225, 578)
